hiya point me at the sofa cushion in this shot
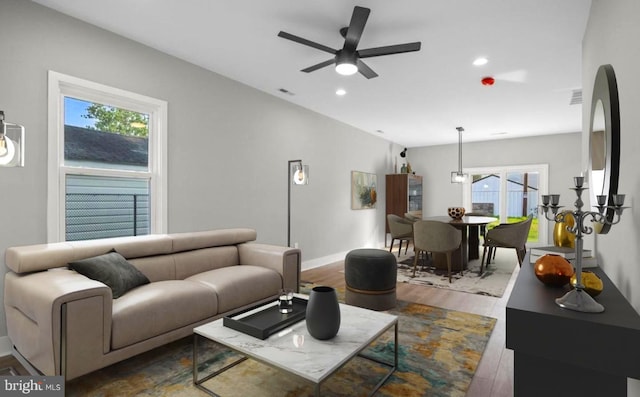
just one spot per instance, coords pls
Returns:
(159, 307)
(113, 270)
(240, 285)
(189, 263)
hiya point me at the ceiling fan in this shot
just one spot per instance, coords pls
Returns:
(348, 59)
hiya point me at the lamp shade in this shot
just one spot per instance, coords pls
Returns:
(300, 175)
(11, 145)
(458, 177)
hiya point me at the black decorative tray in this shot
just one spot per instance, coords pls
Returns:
(264, 323)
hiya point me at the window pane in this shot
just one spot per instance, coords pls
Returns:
(100, 207)
(522, 199)
(107, 137)
(485, 197)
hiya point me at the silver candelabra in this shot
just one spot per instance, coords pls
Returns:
(577, 299)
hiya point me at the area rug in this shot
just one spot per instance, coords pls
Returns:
(438, 355)
(492, 282)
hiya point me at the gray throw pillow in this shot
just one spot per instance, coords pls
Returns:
(113, 270)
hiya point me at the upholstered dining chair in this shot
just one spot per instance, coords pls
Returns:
(435, 237)
(506, 235)
(401, 230)
(412, 218)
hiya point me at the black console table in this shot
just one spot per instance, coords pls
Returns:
(560, 352)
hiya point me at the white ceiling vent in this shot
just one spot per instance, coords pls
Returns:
(576, 97)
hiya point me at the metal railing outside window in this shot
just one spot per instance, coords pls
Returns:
(103, 215)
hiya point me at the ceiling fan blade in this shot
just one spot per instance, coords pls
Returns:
(319, 65)
(309, 43)
(356, 27)
(365, 70)
(389, 50)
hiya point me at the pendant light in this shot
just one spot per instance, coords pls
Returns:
(459, 176)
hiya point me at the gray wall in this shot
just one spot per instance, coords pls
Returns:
(435, 164)
(611, 37)
(228, 144)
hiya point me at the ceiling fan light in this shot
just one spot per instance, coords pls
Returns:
(346, 69)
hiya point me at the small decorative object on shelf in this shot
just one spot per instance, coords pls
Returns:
(553, 270)
(578, 299)
(561, 235)
(323, 313)
(456, 212)
(592, 283)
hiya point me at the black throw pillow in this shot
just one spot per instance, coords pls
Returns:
(113, 270)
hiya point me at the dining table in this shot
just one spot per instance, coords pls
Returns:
(469, 249)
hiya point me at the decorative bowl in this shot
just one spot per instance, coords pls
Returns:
(553, 270)
(456, 212)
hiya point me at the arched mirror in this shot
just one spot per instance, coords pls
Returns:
(604, 140)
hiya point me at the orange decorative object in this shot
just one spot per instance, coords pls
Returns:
(456, 212)
(592, 283)
(553, 270)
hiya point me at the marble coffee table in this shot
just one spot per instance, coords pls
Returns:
(294, 351)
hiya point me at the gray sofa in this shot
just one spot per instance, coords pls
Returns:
(61, 322)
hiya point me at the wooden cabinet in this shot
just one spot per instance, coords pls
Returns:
(404, 195)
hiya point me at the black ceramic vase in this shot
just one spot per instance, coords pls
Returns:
(323, 313)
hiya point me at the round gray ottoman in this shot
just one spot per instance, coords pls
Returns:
(370, 276)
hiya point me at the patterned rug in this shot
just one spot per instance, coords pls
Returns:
(492, 282)
(438, 355)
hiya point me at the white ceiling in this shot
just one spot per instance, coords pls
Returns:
(533, 47)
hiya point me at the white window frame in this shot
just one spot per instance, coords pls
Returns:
(543, 174)
(60, 86)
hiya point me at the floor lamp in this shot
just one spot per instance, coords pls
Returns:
(297, 174)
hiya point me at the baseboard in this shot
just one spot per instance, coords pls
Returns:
(5, 346)
(326, 260)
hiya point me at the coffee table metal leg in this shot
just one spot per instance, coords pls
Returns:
(393, 366)
(199, 382)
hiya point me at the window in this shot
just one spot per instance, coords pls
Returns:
(107, 151)
(510, 193)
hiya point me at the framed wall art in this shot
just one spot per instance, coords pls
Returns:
(363, 190)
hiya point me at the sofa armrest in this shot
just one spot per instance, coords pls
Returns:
(284, 260)
(34, 309)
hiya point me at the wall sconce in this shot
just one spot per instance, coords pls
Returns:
(297, 174)
(403, 153)
(459, 176)
(11, 144)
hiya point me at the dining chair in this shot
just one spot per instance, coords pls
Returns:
(401, 229)
(412, 218)
(506, 235)
(435, 237)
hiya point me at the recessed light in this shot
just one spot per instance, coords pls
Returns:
(480, 61)
(340, 92)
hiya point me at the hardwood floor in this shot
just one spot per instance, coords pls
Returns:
(494, 375)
